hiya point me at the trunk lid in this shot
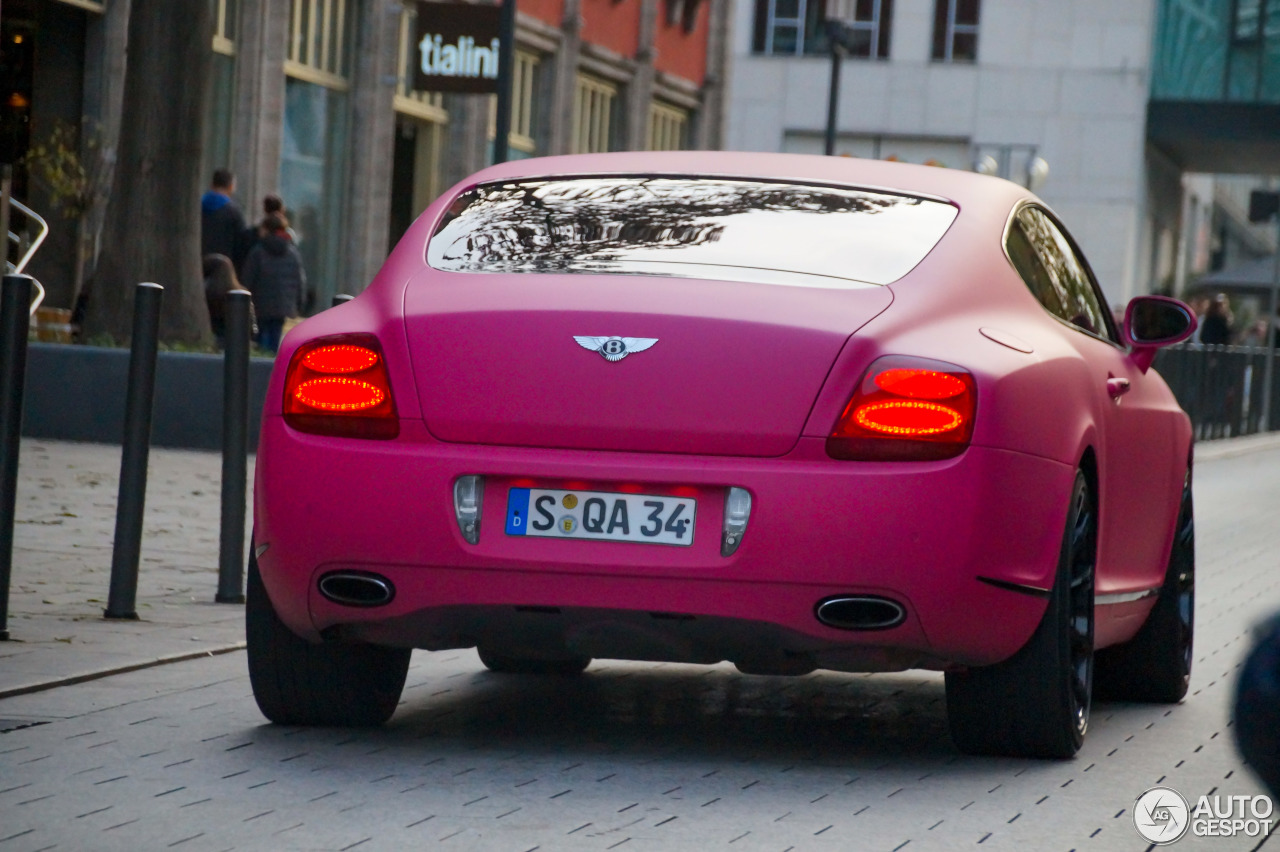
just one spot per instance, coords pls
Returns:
(735, 369)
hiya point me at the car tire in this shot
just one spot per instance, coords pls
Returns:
(330, 684)
(1155, 665)
(529, 665)
(1036, 703)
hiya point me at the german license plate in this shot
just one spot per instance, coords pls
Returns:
(601, 515)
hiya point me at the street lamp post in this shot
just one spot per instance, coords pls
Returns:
(836, 23)
(1263, 205)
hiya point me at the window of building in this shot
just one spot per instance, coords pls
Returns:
(522, 138)
(428, 106)
(668, 127)
(683, 12)
(1246, 20)
(313, 154)
(421, 119)
(955, 30)
(319, 42)
(784, 27)
(217, 142)
(595, 115)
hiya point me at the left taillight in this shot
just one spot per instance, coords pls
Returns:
(906, 409)
(339, 386)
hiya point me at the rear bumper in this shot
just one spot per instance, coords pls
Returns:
(918, 533)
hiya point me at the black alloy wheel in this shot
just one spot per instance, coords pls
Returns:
(1037, 702)
(1082, 562)
(1155, 665)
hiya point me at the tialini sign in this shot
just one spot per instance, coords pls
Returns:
(457, 48)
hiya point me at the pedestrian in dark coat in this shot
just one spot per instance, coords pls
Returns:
(272, 205)
(273, 273)
(1216, 326)
(222, 225)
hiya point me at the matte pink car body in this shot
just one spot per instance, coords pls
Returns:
(488, 381)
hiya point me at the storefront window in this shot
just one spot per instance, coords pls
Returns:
(313, 159)
(312, 169)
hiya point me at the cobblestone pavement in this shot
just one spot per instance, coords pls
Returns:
(65, 526)
(628, 756)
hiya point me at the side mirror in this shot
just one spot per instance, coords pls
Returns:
(1151, 322)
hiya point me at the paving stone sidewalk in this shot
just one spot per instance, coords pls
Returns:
(63, 535)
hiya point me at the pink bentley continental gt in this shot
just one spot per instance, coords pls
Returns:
(790, 412)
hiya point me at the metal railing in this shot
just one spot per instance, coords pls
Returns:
(1220, 387)
(27, 245)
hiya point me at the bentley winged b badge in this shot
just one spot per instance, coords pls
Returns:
(615, 348)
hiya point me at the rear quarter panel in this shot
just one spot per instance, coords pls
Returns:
(1048, 402)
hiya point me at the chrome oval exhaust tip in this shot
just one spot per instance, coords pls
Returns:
(860, 612)
(351, 588)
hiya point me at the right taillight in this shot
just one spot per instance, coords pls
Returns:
(906, 409)
(339, 386)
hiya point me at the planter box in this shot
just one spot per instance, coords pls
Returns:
(77, 393)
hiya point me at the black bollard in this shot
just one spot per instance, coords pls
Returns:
(15, 305)
(135, 447)
(341, 299)
(235, 447)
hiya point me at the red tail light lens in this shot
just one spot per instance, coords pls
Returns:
(907, 418)
(340, 358)
(920, 384)
(339, 386)
(906, 409)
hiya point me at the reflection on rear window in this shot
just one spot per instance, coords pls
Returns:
(756, 231)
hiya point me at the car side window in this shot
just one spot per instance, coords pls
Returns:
(1073, 296)
(1027, 262)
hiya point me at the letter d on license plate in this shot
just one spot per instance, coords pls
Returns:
(602, 515)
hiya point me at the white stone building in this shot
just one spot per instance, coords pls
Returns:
(950, 81)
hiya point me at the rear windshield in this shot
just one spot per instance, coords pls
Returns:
(739, 230)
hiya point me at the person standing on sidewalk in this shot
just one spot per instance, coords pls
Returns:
(222, 225)
(273, 273)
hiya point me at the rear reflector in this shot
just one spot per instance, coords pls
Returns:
(339, 386)
(906, 409)
(468, 500)
(737, 511)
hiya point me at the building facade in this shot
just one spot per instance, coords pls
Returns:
(313, 100)
(955, 82)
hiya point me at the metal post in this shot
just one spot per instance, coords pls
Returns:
(135, 448)
(341, 299)
(1268, 372)
(506, 56)
(15, 303)
(833, 92)
(6, 186)
(235, 447)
